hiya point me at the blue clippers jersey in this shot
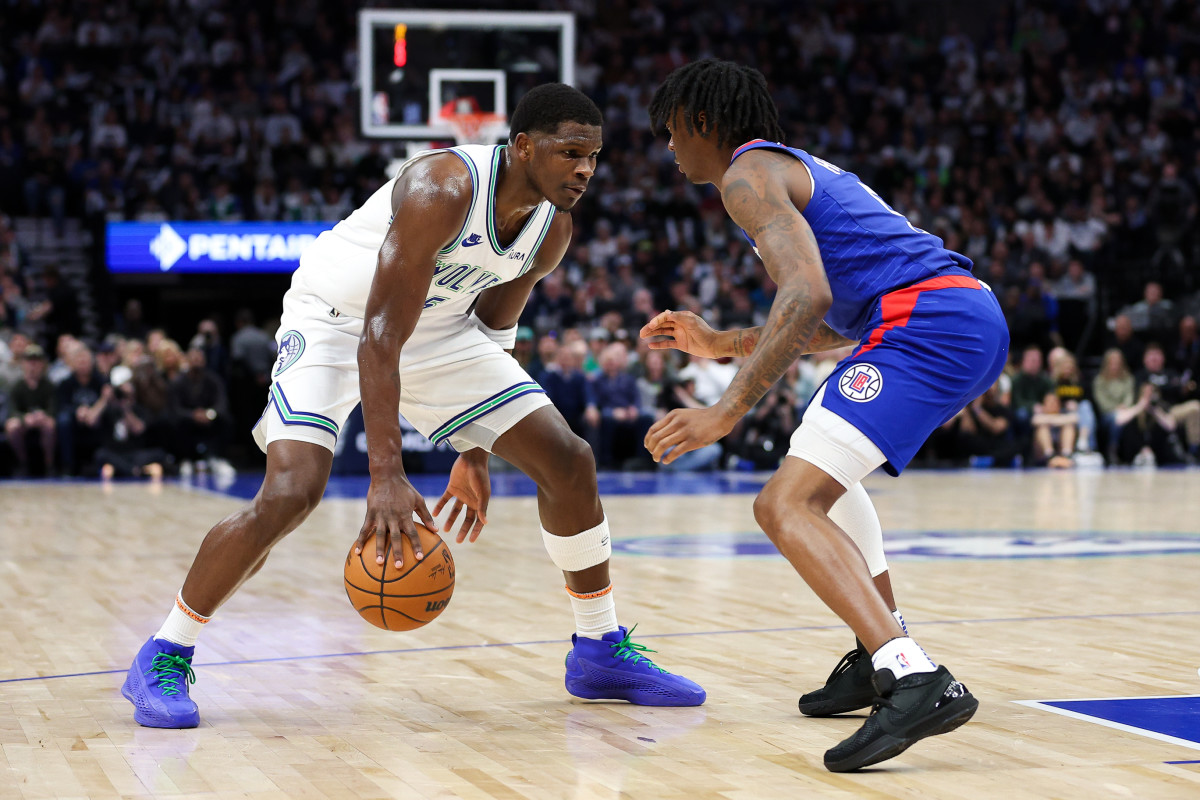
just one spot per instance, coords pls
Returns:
(868, 247)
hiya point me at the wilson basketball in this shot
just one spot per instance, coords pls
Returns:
(406, 598)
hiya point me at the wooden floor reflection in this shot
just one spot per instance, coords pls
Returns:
(301, 699)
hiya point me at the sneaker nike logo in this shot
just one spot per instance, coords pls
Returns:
(472, 240)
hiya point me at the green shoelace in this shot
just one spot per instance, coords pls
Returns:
(627, 650)
(171, 669)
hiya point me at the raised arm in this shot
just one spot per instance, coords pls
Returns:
(430, 203)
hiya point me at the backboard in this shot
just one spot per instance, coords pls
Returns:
(413, 63)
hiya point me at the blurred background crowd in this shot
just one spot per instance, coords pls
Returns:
(1056, 143)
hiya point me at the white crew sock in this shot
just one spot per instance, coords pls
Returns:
(900, 618)
(182, 626)
(595, 612)
(903, 657)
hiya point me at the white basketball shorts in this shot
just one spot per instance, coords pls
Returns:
(468, 402)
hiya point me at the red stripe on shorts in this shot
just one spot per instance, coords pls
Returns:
(896, 307)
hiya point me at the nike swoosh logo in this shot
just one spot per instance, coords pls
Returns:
(472, 240)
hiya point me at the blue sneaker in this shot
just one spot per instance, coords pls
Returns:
(157, 685)
(614, 668)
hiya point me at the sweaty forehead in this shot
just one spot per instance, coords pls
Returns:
(577, 133)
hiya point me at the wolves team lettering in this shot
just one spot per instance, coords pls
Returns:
(463, 278)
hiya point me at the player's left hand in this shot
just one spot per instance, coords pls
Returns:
(470, 486)
(686, 429)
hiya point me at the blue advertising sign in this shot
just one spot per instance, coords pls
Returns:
(208, 247)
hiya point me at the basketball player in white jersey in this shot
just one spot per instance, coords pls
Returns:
(410, 305)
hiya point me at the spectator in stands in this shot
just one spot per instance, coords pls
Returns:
(983, 432)
(1153, 317)
(1073, 399)
(1186, 355)
(547, 351)
(202, 416)
(1054, 433)
(58, 310)
(1030, 385)
(711, 378)
(768, 428)
(1113, 389)
(1124, 339)
(107, 357)
(169, 358)
(566, 384)
(1176, 395)
(31, 411)
(124, 451)
(617, 422)
(1172, 205)
(79, 406)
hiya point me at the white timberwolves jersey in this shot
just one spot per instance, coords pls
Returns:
(340, 265)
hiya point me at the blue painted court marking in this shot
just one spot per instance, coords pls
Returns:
(515, 484)
(1182, 762)
(1171, 718)
(792, 629)
(923, 545)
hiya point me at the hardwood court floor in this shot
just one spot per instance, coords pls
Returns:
(301, 699)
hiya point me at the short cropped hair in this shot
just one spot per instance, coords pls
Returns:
(545, 107)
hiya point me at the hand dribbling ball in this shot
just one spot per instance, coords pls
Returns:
(401, 599)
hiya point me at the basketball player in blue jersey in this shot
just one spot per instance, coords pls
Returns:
(411, 304)
(929, 338)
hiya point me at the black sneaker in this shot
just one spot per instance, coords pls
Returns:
(906, 710)
(847, 689)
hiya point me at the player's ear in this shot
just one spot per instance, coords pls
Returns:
(702, 123)
(523, 146)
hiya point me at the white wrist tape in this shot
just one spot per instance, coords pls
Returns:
(506, 338)
(584, 549)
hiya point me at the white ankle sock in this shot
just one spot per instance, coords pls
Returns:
(903, 657)
(900, 618)
(595, 612)
(182, 626)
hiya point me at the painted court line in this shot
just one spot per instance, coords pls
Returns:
(536, 642)
(1162, 737)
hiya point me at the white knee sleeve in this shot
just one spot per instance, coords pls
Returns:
(855, 514)
(584, 549)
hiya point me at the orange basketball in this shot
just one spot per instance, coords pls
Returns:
(406, 598)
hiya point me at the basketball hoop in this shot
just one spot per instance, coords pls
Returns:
(469, 124)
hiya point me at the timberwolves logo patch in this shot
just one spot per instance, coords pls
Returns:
(861, 383)
(291, 346)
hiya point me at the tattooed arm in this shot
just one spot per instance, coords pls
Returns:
(756, 196)
(741, 343)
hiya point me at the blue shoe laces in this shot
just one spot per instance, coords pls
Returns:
(628, 650)
(170, 670)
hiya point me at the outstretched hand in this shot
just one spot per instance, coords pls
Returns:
(686, 429)
(470, 487)
(681, 330)
(391, 503)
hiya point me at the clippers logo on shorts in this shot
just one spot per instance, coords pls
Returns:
(861, 383)
(290, 349)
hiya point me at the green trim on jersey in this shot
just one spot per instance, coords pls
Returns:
(537, 245)
(491, 210)
(474, 196)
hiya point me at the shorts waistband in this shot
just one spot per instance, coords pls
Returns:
(939, 282)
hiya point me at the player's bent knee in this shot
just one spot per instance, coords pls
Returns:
(570, 469)
(286, 500)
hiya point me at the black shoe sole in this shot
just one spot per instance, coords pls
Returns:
(829, 708)
(952, 716)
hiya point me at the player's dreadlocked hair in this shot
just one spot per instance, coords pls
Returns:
(545, 107)
(734, 99)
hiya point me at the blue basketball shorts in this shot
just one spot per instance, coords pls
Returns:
(931, 348)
